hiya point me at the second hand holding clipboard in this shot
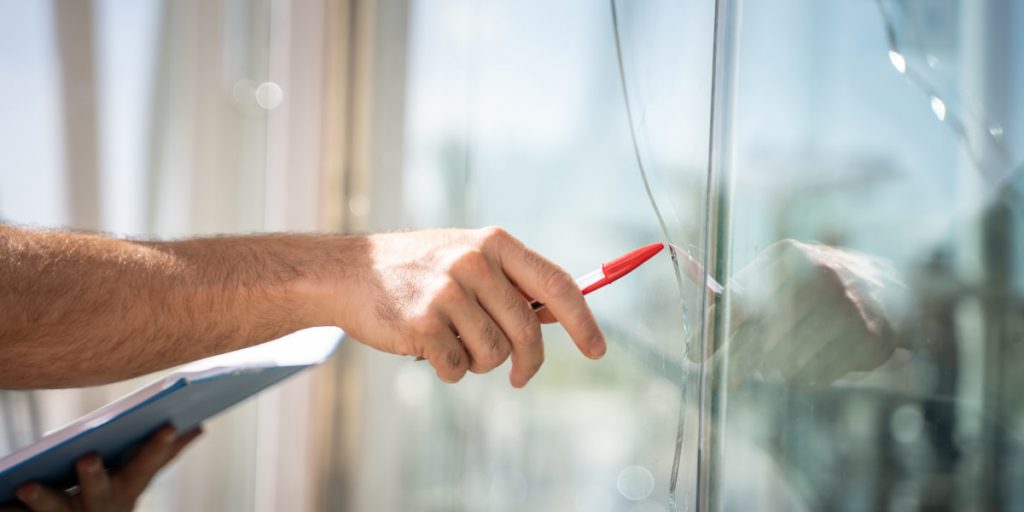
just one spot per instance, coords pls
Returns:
(182, 399)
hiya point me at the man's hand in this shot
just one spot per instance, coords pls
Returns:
(79, 309)
(459, 298)
(809, 314)
(99, 491)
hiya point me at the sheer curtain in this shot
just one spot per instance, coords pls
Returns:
(173, 119)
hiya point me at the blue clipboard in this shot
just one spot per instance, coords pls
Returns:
(184, 399)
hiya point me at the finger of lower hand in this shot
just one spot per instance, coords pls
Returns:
(43, 499)
(548, 283)
(182, 442)
(133, 478)
(94, 483)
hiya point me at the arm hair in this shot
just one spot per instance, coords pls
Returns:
(82, 309)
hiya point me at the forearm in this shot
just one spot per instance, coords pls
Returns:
(79, 309)
(82, 309)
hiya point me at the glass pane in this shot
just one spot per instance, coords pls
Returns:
(517, 117)
(869, 354)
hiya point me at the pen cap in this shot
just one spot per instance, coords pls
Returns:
(624, 264)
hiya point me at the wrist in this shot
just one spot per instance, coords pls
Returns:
(327, 274)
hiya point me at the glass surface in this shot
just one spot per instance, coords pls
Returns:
(517, 116)
(869, 357)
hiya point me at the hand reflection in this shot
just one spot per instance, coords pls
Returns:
(808, 314)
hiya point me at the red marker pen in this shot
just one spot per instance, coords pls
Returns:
(609, 272)
(612, 270)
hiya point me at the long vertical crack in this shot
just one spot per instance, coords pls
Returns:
(680, 431)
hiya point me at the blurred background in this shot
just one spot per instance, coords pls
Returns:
(887, 130)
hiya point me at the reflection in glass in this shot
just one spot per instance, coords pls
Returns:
(867, 347)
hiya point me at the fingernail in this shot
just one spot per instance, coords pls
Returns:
(95, 465)
(597, 348)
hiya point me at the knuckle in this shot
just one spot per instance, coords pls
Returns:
(530, 356)
(497, 347)
(528, 334)
(557, 283)
(494, 233)
(455, 360)
(450, 364)
(535, 261)
(492, 350)
(427, 326)
(496, 240)
(471, 262)
(514, 300)
(450, 292)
